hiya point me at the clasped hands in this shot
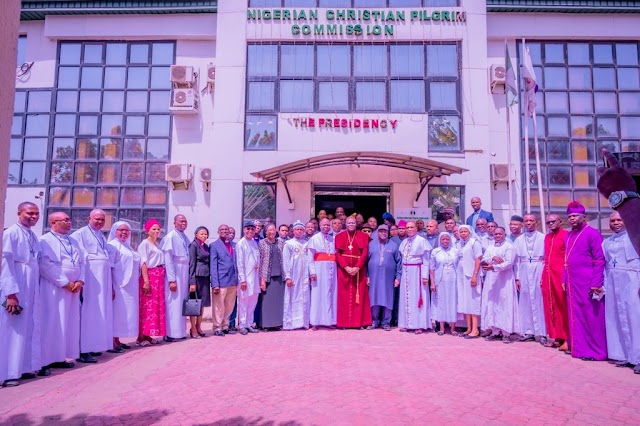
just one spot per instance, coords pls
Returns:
(74, 286)
(352, 270)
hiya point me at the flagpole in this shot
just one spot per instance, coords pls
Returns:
(526, 144)
(509, 183)
(535, 142)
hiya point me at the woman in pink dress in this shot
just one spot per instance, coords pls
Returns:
(152, 305)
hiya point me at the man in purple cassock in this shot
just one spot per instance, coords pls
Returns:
(583, 280)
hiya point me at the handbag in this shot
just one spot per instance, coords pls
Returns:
(191, 307)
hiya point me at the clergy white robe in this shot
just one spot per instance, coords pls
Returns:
(444, 263)
(126, 275)
(175, 246)
(61, 262)
(528, 269)
(469, 297)
(296, 298)
(414, 311)
(96, 311)
(20, 334)
(499, 296)
(321, 258)
(622, 301)
(248, 262)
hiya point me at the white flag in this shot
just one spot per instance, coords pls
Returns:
(530, 82)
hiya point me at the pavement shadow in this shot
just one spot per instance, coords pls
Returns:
(242, 421)
(149, 417)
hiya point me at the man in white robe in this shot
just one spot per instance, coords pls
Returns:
(62, 275)
(96, 311)
(296, 273)
(499, 311)
(176, 255)
(622, 300)
(323, 276)
(414, 310)
(529, 264)
(248, 261)
(19, 291)
(481, 233)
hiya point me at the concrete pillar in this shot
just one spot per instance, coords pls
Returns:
(9, 22)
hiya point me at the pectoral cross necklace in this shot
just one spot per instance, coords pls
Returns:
(350, 246)
(68, 251)
(31, 239)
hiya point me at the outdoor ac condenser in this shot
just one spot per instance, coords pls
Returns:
(179, 175)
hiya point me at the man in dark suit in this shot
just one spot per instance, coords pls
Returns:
(478, 213)
(224, 280)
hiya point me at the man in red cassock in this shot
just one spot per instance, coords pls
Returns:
(553, 295)
(352, 246)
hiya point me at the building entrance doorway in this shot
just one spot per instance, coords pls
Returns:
(366, 200)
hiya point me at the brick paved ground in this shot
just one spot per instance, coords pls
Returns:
(330, 377)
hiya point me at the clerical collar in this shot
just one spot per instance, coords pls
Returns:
(59, 235)
(497, 244)
(624, 231)
(481, 234)
(529, 234)
(580, 228)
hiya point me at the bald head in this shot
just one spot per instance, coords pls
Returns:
(97, 219)
(60, 222)
(615, 222)
(432, 227)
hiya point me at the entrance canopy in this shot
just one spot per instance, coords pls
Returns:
(426, 169)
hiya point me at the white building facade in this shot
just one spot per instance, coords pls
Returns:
(373, 105)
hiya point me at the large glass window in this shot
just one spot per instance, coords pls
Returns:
(588, 99)
(111, 131)
(22, 49)
(443, 196)
(259, 201)
(398, 78)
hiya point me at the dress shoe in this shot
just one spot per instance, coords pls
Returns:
(587, 358)
(468, 336)
(169, 339)
(10, 383)
(621, 364)
(485, 333)
(493, 337)
(527, 338)
(372, 327)
(116, 350)
(27, 376)
(218, 333)
(95, 353)
(253, 330)
(44, 372)
(63, 364)
(506, 340)
(125, 346)
(244, 331)
(87, 358)
(386, 327)
(232, 331)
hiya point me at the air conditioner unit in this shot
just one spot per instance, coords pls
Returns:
(211, 74)
(205, 178)
(182, 75)
(179, 175)
(184, 101)
(497, 77)
(500, 174)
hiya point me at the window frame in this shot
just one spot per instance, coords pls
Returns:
(423, 3)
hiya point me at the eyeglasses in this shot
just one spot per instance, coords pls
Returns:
(551, 222)
(63, 220)
(367, 231)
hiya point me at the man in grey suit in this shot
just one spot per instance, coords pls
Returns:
(478, 213)
(224, 280)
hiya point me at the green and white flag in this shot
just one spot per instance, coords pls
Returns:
(511, 82)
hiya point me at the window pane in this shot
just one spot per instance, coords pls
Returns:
(261, 96)
(584, 177)
(66, 101)
(265, 3)
(554, 53)
(110, 149)
(92, 54)
(158, 149)
(134, 149)
(69, 53)
(138, 78)
(132, 173)
(582, 152)
(370, 61)
(441, 197)
(88, 125)
(14, 173)
(333, 96)
(139, 54)
(555, 78)
(580, 78)
(443, 96)
(581, 127)
(16, 125)
(37, 125)
(435, 3)
(260, 132)
(602, 54)
(111, 125)
(135, 125)
(444, 133)
(405, 3)
(155, 173)
(64, 149)
(159, 125)
(370, 96)
(556, 102)
(629, 103)
(68, 77)
(82, 197)
(259, 201)
(159, 101)
(607, 127)
(19, 102)
(108, 173)
(107, 197)
(262, 60)
(39, 101)
(604, 78)
(558, 126)
(136, 101)
(407, 61)
(299, 3)
(335, 3)
(65, 124)
(162, 54)
(15, 149)
(442, 60)
(85, 173)
(59, 197)
(33, 173)
(370, 3)
(91, 78)
(578, 53)
(559, 176)
(296, 96)
(116, 53)
(160, 78)
(61, 172)
(407, 96)
(557, 152)
(131, 197)
(334, 60)
(626, 54)
(22, 50)
(90, 101)
(87, 149)
(628, 78)
(605, 103)
(630, 127)
(114, 77)
(581, 103)
(112, 101)
(155, 196)
(297, 60)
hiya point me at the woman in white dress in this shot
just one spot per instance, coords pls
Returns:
(443, 266)
(126, 273)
